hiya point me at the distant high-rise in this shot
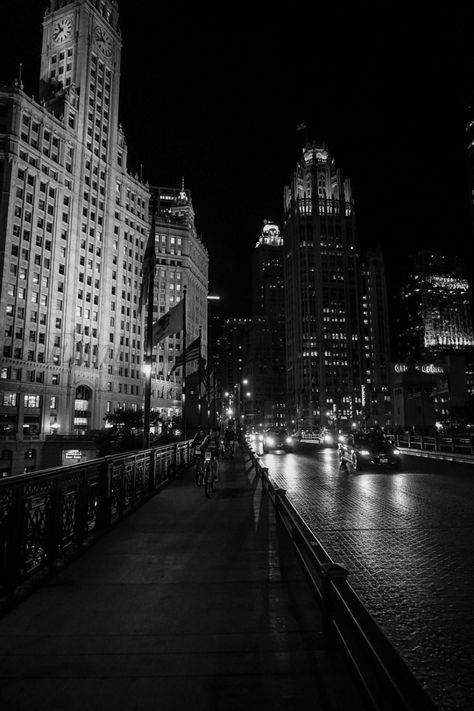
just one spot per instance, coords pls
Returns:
(436, 315)
(324, 332)
(265, 367)
(376, 396)
(181, 259)
(233, 350)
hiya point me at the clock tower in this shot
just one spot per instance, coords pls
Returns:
(82, 46)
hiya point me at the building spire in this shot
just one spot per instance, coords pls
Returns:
(182, 194)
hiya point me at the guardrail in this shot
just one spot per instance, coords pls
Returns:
(437, 443)
(386, 680)
(46, 517)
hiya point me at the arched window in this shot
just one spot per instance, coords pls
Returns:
(82, 409)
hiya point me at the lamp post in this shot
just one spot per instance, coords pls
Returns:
(238, 387)
(211, 410)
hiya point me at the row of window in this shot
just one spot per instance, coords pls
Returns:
(9, 399)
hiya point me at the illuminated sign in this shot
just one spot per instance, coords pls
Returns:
(426, 368)
(73, 454)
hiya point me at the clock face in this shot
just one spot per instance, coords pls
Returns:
(104, 43)
(62, 30)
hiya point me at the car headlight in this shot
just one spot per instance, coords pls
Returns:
(328, 439)
(396, 451)
(289, 440)
(270, 441)
(364, 453)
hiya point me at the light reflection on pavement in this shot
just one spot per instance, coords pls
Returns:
(406, 538)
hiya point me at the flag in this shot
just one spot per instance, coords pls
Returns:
(171, 322)
(204, 375)
(210, 382)
(193, 352)
(149, 261)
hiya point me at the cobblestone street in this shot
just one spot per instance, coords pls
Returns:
(406, 539)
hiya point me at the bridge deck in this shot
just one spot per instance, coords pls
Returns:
(189, 603)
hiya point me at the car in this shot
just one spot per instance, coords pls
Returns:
(361, 450)
(327, 438)
(278, 438)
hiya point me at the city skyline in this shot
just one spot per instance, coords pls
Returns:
(385, 95)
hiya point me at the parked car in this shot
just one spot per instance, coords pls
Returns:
(278, 439)
(361, 450)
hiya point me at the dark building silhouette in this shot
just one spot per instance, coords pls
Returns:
(265, 365)
(233, 349)
(376, 390)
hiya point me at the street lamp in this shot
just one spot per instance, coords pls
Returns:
(211, 410)
(238, 386)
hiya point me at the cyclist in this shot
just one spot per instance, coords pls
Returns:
(214, 445)
(229, 440)
(199, 444)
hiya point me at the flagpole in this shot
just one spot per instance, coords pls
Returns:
(199, 379)
(183, 394)
(149, 343)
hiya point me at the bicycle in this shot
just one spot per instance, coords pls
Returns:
(199, 471)
(210, 474)
(230, 449)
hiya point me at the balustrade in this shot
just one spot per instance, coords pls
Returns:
(47, 516)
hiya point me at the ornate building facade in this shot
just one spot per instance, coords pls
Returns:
(324, 333)
(73, 226)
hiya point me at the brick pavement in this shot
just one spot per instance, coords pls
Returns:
(407, 541)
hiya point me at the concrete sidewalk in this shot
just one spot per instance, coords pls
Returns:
(189, 603)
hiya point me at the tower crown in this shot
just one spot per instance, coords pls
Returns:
(108, 9)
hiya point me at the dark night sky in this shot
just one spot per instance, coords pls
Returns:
(216, 95)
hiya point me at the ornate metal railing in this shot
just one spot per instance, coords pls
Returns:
(48, 516)
(387, 682)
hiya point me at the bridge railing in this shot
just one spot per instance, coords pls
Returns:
(437, 443)
(48, 516)
(386, 680)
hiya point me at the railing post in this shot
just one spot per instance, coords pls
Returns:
(151, 471)
(331, 573)
(104, 515)
(11, 563)
(175, 460)
(81, 512)
(279, 493)
(53, 518)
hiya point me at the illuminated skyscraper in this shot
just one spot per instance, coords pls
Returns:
(181, 258)
(73, 225)
(324, 333)
(436, 316)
